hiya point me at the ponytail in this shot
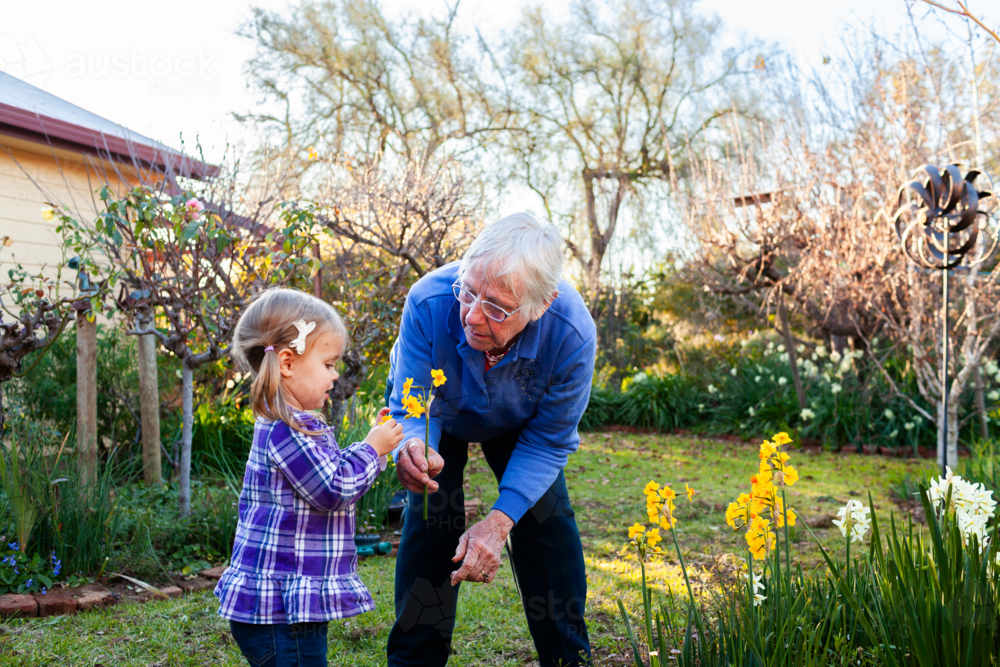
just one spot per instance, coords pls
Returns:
(268, 323)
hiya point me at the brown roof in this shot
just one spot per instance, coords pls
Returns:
(28, 112)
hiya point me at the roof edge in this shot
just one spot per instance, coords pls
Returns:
(32, 126)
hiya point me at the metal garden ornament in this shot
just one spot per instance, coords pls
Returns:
(941, 223)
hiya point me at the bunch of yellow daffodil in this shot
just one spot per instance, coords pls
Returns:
(749, 510)
(660, 504)
(645, 541)
(418, 404)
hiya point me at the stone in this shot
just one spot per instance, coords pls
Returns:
(214, 573)
(92, 596)
(55, 603)
(172, 591)
(195, 585)
(22, 606)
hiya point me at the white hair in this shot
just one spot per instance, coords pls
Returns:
(521, 253)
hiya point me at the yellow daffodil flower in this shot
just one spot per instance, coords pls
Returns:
(791, 475)
(782, 439)
(667, 493)
(414, 407)
(767, 450)
(759, 537)
(636, 529)
(690, 492)
(651, 488)
(653, 536)
(439, 378)
(407, 386)
(738, 512)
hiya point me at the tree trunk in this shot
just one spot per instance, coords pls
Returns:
(952, 444)
(86, 398)
(984, 421)
(187, 382)
(149, 406)
(345, 387)
(792, 359)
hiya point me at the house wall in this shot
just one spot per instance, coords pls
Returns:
(32, 176)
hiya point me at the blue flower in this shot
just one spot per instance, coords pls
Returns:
(13, 546)
(56, 565)
(28, 583)
(44, 591)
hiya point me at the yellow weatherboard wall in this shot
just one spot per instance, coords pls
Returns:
(33, 175)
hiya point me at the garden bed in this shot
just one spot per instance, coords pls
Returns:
(491, 629)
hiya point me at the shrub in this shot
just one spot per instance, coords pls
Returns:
(48, 390)
(661, 403)
(76, 522)
(748, 388)
(604, 408)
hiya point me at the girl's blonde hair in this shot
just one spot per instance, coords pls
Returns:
(268, 322)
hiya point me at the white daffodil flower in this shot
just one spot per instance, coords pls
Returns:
(854, 517)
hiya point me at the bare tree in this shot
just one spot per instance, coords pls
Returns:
(606, 102)
(193, 260)
(791, 212)
(349, 81)
(386, 228)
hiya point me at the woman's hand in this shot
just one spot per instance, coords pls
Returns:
(414, 471)
(386, 434)
(479, 549)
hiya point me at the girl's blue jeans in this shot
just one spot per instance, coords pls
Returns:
(282, 645)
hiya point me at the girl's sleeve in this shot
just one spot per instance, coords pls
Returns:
(328, 478)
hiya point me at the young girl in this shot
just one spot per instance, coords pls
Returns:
(294, 562)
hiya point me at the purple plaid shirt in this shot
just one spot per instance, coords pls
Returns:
(294, 559)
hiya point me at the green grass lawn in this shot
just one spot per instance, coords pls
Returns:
(605, 479)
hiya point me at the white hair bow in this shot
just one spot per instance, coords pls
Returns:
(299, 344)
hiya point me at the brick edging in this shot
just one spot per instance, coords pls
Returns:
(64, 601)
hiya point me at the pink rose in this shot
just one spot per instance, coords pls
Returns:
(194, 207)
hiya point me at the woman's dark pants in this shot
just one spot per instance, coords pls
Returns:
(282, 644)
(544, 549)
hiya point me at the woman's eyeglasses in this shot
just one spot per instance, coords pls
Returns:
(490, 309)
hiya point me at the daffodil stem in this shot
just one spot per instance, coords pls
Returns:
(646, 606)
(784, 521)
(687, 581)
(427, 443)
(427, 437)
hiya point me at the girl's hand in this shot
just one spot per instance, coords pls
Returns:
(386, 434)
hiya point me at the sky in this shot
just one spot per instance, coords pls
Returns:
(179, 73)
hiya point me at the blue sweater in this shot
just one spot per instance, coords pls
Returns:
(541, 386)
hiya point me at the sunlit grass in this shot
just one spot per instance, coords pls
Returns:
(605, 479)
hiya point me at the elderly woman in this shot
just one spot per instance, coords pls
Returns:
(517, 345)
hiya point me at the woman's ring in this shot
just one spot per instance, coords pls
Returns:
(486, 577)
